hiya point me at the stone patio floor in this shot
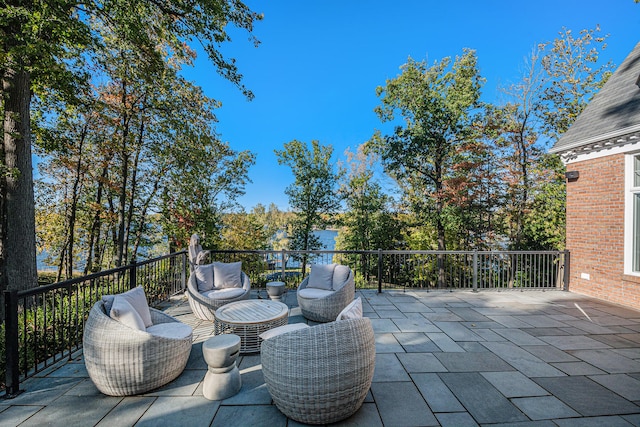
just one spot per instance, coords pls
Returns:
(443, 358)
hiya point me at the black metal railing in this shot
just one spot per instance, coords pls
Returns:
(44, 325)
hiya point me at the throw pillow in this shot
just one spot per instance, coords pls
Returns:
(321, 276)
(340, 276)
(123, 312)
(204, 277)
(138, 301)
(352, 311)
(282, 329)
(227, 275)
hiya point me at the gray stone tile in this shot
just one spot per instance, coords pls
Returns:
(519, 336)
(73, 370)
(633, 419)
(436, 393)
(589, 327)
(540, 332)
(42, 391)
(614, 421)
(577, 368)
(473, 347)
(74, 410)
(509, 321)
(541, 423)
(416, 342)
(626, 386)
(390, 313)
(541, 321)
(381, 326)
(415, 325)
(522, 360)
(12, 416)
(413, 307)
(185, 385)
(488, 335)
(445, 343)
(456, 419)
(388, 368)
(177, 411)
(631, 337)
(614, 341)
(456, 331)
(483, 401)
(469, 314)
(608, 360)
(549, 353)
(367, 415)
(401, 404)
(544, 407)
(254, 390)
(574, 342)
(514, 384)
(387, 343)
(421, 362)
(473, 362)
(631, 353)
(127, 412)
(442, 316)
(587, 397)
(251, 415)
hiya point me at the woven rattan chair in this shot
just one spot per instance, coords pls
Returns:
(204, 307)
(326, 307)
(122, 361)
(322, 374)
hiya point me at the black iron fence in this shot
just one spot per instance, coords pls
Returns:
(44, 325)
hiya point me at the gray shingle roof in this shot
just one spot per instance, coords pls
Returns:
(613, 112)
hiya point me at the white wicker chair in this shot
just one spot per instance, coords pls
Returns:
(326, 308)
(321, 374)
(122, 361)
(204, 307)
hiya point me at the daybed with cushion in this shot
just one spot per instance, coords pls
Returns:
(320, 374)
(130, 348)
(213, 285)
(326, 292)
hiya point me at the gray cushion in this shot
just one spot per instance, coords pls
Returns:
(227, 275)
(282, 330)
(138, 301)
(204, 277)
(313, 293)
(226, 293)
(340, 276)
(123, 312)
(352, 311)
(175, 330)
(321, 276)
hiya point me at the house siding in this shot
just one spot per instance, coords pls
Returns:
(595, 231)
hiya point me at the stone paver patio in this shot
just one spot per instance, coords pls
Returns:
(443, 359)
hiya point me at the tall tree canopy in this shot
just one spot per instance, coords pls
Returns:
(44, 44)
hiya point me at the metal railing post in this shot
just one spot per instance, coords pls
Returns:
(132, 275)
(283, 276)
(567, 269)
(12, 375)
(475, 271)
(379, 271)
(183, 275)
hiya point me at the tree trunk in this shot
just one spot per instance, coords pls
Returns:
(18, 245)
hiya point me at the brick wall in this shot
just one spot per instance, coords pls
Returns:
(595, 231)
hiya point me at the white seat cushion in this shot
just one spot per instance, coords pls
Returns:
(175, 330)
(138, 301)
(123, 312)
(313, 293)
(321, 276)
(227, 275)
(226, 293)
(282, 329)
(340, 276)
(352, 311)
(204, 277)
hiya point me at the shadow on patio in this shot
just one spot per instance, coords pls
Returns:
(460, 358)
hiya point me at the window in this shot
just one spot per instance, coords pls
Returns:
(632, 216)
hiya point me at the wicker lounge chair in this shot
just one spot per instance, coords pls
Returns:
(323, 305)
(122, 361)
(204, 305)
(321, 374)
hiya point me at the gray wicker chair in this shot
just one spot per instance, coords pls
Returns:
(322, 374)
(204, 307)
(122, 361)
(326, 309)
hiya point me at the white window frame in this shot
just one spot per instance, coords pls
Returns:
(630, 192)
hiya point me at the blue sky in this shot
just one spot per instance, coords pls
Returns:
(316, 70)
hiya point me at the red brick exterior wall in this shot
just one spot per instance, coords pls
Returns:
(595, 231)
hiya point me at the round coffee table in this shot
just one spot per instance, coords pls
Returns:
(248, 319)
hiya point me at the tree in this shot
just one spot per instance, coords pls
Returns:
(436, 104)
(41, 45)
(312, 194)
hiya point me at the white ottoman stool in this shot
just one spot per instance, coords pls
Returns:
(223, 378)
(275, 290)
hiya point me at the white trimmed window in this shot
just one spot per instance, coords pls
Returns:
(632, 216)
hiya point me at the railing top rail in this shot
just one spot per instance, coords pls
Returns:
(70, 282)
(384, 251)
